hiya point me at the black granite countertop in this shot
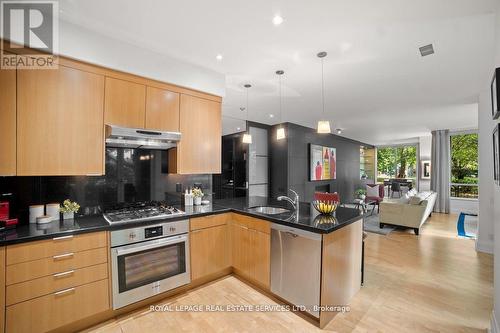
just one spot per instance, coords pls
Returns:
(309, 219)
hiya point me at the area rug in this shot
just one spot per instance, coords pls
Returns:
(371, 224)
(467, 225)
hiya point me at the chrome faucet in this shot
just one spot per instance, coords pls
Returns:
(294, 202)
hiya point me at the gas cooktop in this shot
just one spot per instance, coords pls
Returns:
(140, 211)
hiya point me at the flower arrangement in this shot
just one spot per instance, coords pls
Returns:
(69, 206)
(197, 193)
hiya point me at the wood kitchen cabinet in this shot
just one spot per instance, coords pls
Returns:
(251, 249)
(124, 103)
(199, 150)
(162, 110)
(209, 242)
(8, 122)
(60, 122)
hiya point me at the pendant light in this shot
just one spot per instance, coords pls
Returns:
(323, 125)
(280, 132)
(247, 137)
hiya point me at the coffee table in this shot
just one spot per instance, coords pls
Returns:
(364, 205)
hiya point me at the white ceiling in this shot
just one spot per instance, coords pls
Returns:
(378, 88)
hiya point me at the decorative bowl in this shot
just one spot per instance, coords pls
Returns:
(325, 207)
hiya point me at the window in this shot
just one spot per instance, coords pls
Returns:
(397, 162)
(464, 166)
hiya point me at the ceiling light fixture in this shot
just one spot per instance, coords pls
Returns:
(426, 50)
(218, 57)
(280, 132)
(277, 20)
(238, 128)
(271, 115)
(247, 137)
(339, 131)
(323, 125)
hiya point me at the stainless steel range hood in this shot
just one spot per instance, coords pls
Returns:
(123, 137)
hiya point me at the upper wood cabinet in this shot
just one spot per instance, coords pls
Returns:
(199, 150)
(124, 103)
(60, 122)
(162, 110)
(7, 122)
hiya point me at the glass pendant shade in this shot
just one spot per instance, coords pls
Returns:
(280, 133)
(324, 127)
(247, 138)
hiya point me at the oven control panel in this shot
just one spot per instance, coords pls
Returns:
(142, 233)
(153, 232)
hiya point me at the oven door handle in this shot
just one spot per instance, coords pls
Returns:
(151, 245)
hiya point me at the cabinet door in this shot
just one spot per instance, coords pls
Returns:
(261, 257)
(209, 252)
(59, 122)
(124, 103)
(162, 110)
(8, 122)
(199, 150)
(240, 243)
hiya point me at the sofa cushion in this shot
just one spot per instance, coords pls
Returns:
(415, 200)
(372, 191)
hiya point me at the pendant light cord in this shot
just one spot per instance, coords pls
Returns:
(280, 100)
(323, 86)
(247, 104)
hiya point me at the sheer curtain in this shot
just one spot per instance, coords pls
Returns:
(440, 174)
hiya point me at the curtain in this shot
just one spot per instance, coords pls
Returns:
(440, 174)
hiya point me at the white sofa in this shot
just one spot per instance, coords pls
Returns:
(410, 211)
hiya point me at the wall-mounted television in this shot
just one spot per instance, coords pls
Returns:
(322, 163)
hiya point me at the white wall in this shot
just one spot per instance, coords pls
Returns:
(494, 207)
(425, 146)
(82, 44)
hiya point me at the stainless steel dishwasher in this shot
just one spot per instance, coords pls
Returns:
(296, 266)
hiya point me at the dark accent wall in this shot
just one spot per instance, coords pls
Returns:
(290, 163)
(131, 175)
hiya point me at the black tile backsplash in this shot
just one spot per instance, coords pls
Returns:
(131, 175)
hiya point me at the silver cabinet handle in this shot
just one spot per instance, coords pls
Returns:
(62, 238)
(63, 274)
(63, 256)
(65, 291)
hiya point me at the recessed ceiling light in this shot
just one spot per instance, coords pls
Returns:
(238, 128)
(271, 115)
(277, 20)
(339, 130)
(242, 108)
(218, 57)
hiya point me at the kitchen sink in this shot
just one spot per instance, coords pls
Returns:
(268, 210)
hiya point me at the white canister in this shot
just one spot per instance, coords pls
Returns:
(35, 211)
(52, 209)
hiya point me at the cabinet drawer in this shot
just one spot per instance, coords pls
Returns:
(24, 291)
(47, 266)
(208, 221)
(252, 223)
(52, 247)
(48, 312)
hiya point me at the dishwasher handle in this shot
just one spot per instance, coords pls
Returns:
(295, 232)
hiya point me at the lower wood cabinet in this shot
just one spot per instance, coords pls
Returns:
(251, 251)
(57, 309)
(209, 251)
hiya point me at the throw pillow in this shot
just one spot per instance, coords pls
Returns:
(372, 191)
(415, 200)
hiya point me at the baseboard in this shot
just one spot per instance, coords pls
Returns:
(494, 323)
(486, 247)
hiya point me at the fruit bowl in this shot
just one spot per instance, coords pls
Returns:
(325, 207)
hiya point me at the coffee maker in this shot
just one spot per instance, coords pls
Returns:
(5, 221)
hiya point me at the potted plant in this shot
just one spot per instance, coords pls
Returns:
(360, 193)
(197, 195)
(68, 209)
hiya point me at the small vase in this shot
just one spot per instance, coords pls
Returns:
(68, 216)
(362, 197)
(197, 201)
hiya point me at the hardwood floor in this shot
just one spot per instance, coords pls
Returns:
(432, 283)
